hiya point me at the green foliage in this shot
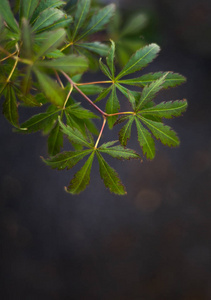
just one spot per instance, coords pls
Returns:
(43, 55)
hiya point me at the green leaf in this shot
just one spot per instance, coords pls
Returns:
(171, 80)
(27, 8)
(103, 94)
(150, 91)
(140, 59)
(167, 109)
(74, 135)
(110, 59)
(105, 69)
(98, 21)
(67, 159)
(95, 47)
(127, 93)
(91, 89)
(125, 132)
(39, 121)
(145, 140)
(110, 177)
(7, 15)
(108, 144)
(135, 25)
(82, 177)
(45, 4)
(55, 140)
(112, 106)
(51, 18)
(119, 152)
(70, 64)
(81, 13)
(51, 88)
(10, 107)
(27, 38)
(163, 132)
(81, 113)
(53, 40)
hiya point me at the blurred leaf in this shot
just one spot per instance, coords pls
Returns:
(91, 89)
(45, 4)
(7, 15)
(50, 87)
(27, 38)
(95, 47)
(50, 18)
(81, 13)
(70, 64)
(52, 42)
(27, 8)
(98, 21)
(134, 25)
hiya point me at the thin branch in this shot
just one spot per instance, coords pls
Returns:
(101, 132)
(12, 54)
(94, 82)
(68, 95)
(59, 80)
(85, 96)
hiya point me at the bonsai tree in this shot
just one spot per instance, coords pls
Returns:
(45, 48)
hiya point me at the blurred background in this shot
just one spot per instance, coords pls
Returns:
(154, 243)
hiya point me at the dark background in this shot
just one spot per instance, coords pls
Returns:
(154, 243)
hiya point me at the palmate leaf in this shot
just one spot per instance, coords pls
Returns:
(74, 135)
(105, 69)
(27, 38)
(166, 109)
(43, 5)
(51, 42)
(71, 64)
(52, 90)
(139, 60)
(171, 79)
(55, 140)
(27, 7)
(10, 106)
(125, 132)
(145, 140)
(95, 47)
(7, 15)
(91, 89)
(119, 152)
(49, 19)
(163, 132)
(110, 59)
(81, 178)
(110, 177)
(39, 121)
(150, 91)
(103, 94)
(98, 21)
(80, 15)
(81, 113)
(132, 96)
(67, 159)
(112, 106)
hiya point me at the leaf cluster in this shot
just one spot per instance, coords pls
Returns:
(44, 50)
